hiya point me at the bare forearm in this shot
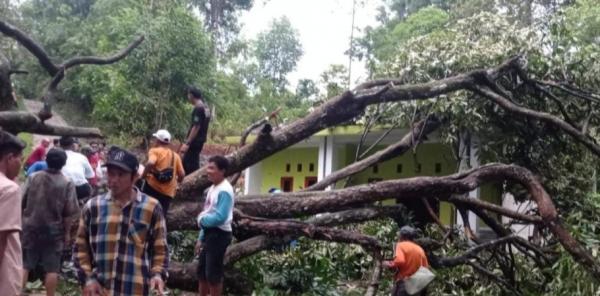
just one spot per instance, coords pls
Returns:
(192, 135)
(147, 169)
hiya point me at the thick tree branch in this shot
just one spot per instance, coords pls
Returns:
(472, 252)
(94, 60)
(375, 277)
(337, 110)
(478, 203)
(297, 228)
(423, 128)
(542, 116)
(19, 121)
(31, 45)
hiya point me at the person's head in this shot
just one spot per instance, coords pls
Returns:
(121, 167)
(56, 159)
(11, 154)
(407, 233)
(216, 168)
(87, 151)
(55, 143)
(194, 94)
(45, 143)
(67, 143)
(94, 146)
(162, 137)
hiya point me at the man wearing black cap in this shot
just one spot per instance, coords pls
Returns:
(121, 246)
(77, 168)
(197, 133)
(49, 206)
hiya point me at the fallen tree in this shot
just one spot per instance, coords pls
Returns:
(270, 215)
(17, 122)
(262, 222)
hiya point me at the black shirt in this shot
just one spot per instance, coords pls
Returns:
(199, 118)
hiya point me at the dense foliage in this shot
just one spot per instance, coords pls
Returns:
(416, 41)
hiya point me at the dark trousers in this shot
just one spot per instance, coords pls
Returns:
(191, 159)
(163, 199)
(210, 262)
(399, 290)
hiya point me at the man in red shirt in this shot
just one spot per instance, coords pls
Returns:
(38, 154)
(408, 258)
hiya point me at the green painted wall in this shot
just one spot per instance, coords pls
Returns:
(274, 167)
(491, 193)
(428, 155)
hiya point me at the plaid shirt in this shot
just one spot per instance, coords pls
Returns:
(121, 248)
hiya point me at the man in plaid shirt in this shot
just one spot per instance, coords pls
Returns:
(121, 246)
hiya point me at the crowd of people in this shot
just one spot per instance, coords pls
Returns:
(120, 245)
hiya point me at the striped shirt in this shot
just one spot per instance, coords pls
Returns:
(121, 248)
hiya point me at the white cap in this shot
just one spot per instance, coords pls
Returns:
(163, 136)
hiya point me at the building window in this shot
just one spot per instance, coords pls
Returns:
(418, 168)
(288, 168)
(375, 169)
(311, 167)
(399, 168)
(299, 167)
(438, 168)
(310, 181)
(287, 184)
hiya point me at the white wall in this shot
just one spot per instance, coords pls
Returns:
(509, 202)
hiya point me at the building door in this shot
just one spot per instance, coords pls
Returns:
(309, 181)
(287, 184)
(420, 213)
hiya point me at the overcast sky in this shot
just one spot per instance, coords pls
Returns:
(324, 27)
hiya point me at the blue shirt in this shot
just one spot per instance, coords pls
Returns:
(36, 167)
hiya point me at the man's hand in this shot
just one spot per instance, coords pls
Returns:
(198, 248)
(388, 264)
(93, 288)
(183, 148)
(157, 285)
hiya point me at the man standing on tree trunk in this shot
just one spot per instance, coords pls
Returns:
(215, 228)
(121, 245)
(11, 149)
(408, 258)
(163, 171)
(196, 136)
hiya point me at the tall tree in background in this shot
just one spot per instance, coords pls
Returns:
(221, 20)
(278, 51)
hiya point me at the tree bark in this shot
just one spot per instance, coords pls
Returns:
(335, 111)
(18, 121)
(419, 131)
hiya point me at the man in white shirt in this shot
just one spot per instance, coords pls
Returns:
(77, 168)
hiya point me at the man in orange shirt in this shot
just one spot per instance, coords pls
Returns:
(408, 258)
(163, 171)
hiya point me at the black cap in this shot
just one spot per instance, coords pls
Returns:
(56, 158)
(66, 141)
(122, 159)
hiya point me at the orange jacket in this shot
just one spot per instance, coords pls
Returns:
(408, 258)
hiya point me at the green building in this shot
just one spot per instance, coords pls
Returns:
(309, 161)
